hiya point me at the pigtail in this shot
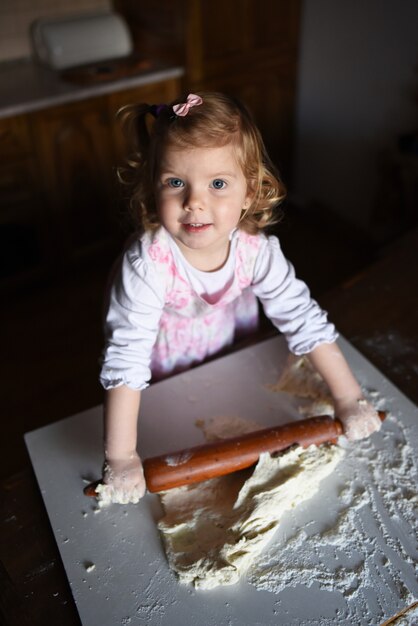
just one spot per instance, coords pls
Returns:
(132, 119)
(135, 174)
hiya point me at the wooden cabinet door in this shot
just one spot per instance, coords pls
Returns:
(239, 35)
(22, 218)
(75, 147)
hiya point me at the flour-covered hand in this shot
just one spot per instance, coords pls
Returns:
(358, 417)
(123, 480)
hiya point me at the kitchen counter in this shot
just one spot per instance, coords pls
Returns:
(26, 86)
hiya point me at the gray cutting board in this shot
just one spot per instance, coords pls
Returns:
(131, 582)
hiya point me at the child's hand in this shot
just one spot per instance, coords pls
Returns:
(358, 417)
(123, 480)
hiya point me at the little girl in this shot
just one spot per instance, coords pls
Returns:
(204, 190)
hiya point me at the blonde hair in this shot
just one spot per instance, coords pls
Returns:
(218, 121)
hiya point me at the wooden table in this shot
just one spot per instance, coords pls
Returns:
(377, 311)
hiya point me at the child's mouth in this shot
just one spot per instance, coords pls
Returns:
(195, 227)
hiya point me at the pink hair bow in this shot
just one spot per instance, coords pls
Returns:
(183, 108)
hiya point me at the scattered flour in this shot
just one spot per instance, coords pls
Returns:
(406, 617)
(89, 567)
(397, 351)
(178, 459)
(368, 552)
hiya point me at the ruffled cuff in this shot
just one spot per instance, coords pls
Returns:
(109, 380)
(301, 348)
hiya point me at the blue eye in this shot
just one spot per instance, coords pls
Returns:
(175, 182)
(218, 183)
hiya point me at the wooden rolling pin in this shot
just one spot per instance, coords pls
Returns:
(229, 455)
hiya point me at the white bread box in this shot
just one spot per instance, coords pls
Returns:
(75, 40)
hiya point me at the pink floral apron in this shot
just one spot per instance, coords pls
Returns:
(191, 329)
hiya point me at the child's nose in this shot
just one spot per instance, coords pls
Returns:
(194, 200)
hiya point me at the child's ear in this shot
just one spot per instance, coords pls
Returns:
(246, 206)
(249, 197)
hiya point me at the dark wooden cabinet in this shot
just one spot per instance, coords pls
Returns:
(245, 47)
(60, 202)
(22, 212)
(74, 145)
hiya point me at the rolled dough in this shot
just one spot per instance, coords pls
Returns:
(299, 378)
(302, 381)
(213, 531)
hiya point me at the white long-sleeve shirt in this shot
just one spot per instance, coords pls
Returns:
(141, 294)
